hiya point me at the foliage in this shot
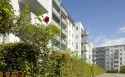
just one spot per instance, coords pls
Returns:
(37, 34)
(52, 68)
(35, 56)
(18, 56)
(112, 71)
(6, 16)
(74, 67)
(122, 69)
(96, 70)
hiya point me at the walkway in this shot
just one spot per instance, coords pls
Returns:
(111, 75)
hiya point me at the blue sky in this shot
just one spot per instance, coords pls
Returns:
(103, 19)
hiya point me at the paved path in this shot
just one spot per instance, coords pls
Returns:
(111, 75)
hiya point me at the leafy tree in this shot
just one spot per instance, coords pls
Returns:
(39, 35)
(6, 16)
(122, 69)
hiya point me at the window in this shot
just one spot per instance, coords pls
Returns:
(76, 36)
(69, 41)
(76, 45)
(120, 58)
(120, 49)
(69, 32)
(76, 28)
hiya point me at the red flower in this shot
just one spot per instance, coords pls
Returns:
(46, 19)
(63, 56)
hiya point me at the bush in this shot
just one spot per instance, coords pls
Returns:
(112, 71)
(96, 70)
(122, 69)
(75, 67)
(26, 57)
(18, 57)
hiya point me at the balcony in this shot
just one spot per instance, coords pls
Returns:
(57, 2)
(84, 33)
(36, 6)
(83, 48)
(64, 11)
(64, 32)
(56, 12)
(55, 23)
(84, 41)
(64, 22)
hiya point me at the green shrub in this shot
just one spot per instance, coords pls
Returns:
(112, 71)
(26, 57)
(75, 67)
(18, 57)
(96, 70)
(122, 69)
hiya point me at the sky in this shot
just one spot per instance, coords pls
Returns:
(104, 20)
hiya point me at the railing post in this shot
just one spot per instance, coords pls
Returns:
(18, 74)
(13, 74)
(1, 74)
(7, 74)
(23, 74)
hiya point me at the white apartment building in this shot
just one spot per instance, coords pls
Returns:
(82, 46)
(72, 36)
(109, 57)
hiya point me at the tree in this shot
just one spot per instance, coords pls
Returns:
(34, 34)
(39, 35)
(122, 69)
(6, 16)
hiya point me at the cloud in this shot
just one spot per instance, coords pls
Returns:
(111, 42)
(99, 38)
(122, 29)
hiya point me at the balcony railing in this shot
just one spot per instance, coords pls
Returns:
(64, 11)
(64, 21)
(84, 41)
(84, 33)
(56, 12)
(83, 48)
(36, 6)
(44, 3)
(55, 23)
(64, 32)
(57, 2)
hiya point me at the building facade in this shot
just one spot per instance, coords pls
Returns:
(109, 57)
(72, 35)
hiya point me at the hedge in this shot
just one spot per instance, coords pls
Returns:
(122, 69)
(26, 57)
(18, 57)
(96, 70)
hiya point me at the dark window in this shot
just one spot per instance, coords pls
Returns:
(76, 28)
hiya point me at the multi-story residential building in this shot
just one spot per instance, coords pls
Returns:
(109, 57)
(80, 38)
(72, 35)
(88, 53)
(82, 46)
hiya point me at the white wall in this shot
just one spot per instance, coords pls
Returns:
(70, 36)
(89, 52)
